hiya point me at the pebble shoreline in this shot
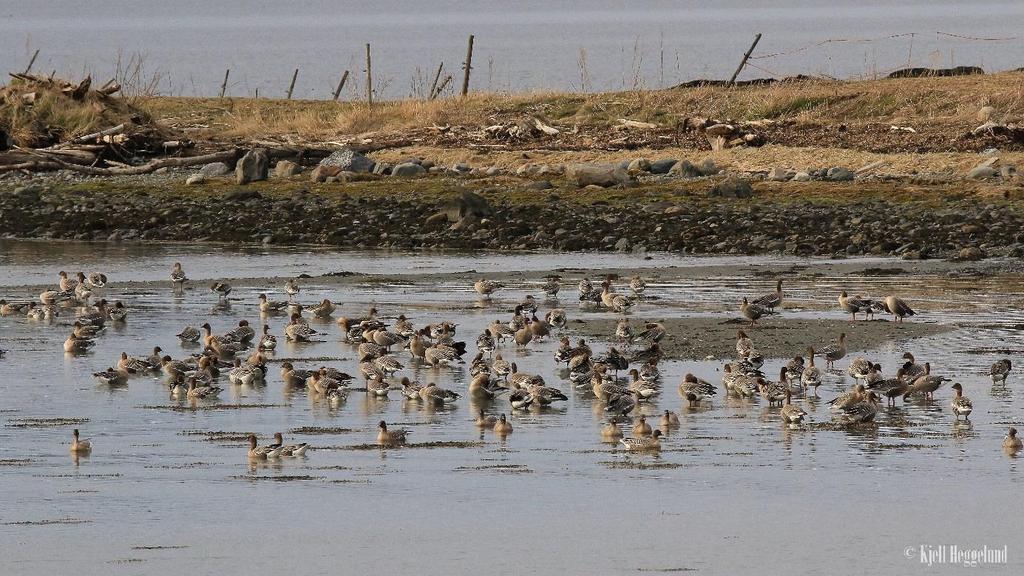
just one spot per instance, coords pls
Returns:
(961, 227)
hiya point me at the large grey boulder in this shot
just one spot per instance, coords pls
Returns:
(214, 169)
(467, 205)
(595, 175)
(685, 169)
(252, 167)
(663, 166)
(732, 188)
(839, 174)
(408, 170)
(348, 160)
(286, 169)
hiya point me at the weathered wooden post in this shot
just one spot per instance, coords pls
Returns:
(32, 61)
(337, 91)
(369, 77)
(433, 87)
(291, 86)
(745, 58)
(224, 84)
(469, 66)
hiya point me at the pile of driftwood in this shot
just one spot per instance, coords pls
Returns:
(32, 139)
(722, 134)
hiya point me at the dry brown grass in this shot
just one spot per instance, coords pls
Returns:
(954, 99)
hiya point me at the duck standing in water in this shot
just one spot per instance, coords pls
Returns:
(178, 277)
(961, 404)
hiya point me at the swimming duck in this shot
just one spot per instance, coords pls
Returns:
(481, 386)
(669, 419)
(54, 296)
(551, 286)
(611, 431)
(84, 446)
(891, 388)
(134, 365)
(197, 392)
(650, 443)
(293, 376)
(178, 277)
(502, 427)
(961, 404)
(859, 368)
(898, 308)
(753, 312)
(911, 369)
(926, 383)
(271, 306)
(772, 300)
(637, 285)
(546, 395)
(487, 287)
(287, 449)
(76, 344)
(791, 413)
(520, 399)
(8, 308)
(173, 368)
(221, 289)
(261, 452)
(864, 410)
(267, 341)
(189, 334)
(242, 333)
(1000, 370)
(1011, 443)
(848, 398)
(387, 437)
(324, 309)
(118, 312)
(835, 351)
(434, 393)
(485, 421)
(112, 377)
(642, 428)
(241, 374)
(694, 389)
(556, 318)
(96, 279)
(775, 392)
(298, 332)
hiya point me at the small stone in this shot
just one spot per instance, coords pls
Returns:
(594, 175)
(622, 245)
(982, 173)
(986, 113)
(461, 167)
(839, 174)
(195, 179)
(286, 169)
(321, 173)
(801, 177)
(540, 185)
(970, 254)
(348, 160)
(214, 169)
(685, 169)
(638, 166)
(662, 166)
(780, 175)
(252, 167)
(708, 167)
(492, 171)
(732, 188)
(407, 170)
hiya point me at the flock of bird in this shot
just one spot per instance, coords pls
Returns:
(240, 356)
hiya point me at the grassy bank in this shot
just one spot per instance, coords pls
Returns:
(947, 102)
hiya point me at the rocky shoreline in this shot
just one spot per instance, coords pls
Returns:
(456, 209)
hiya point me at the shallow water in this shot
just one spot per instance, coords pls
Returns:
(187, 44)
(732, 488)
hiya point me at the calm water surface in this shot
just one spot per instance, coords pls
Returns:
(590, 44)
(732, 489)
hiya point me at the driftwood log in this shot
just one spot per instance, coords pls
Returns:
(48, 159)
